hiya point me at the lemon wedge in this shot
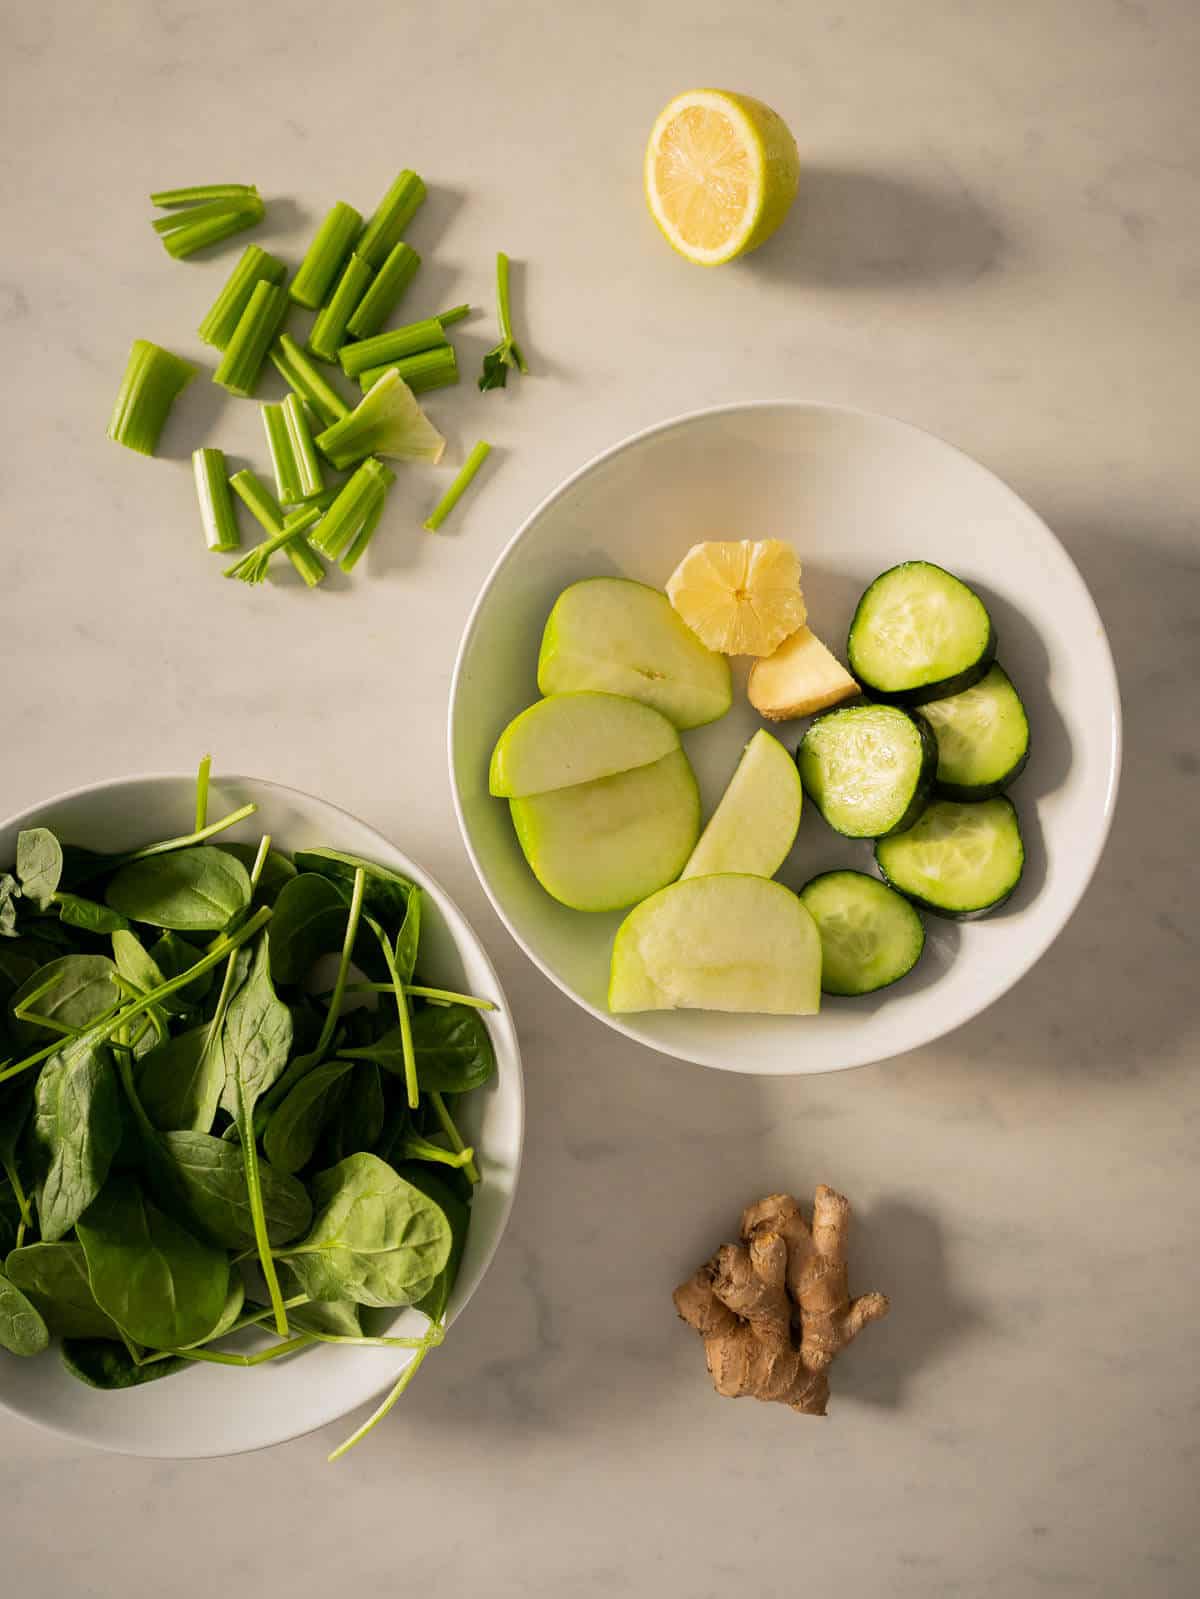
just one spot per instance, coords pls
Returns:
(739, 597)
(721, 173)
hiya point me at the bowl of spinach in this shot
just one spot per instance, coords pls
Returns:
(260, 1115)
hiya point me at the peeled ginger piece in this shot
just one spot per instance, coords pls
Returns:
(800, 678)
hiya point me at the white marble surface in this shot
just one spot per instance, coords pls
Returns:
(999, 241)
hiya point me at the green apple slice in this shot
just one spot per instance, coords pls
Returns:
(577, 738)
(603, 845)
(730, 943)
(755, 825)
(622, 637)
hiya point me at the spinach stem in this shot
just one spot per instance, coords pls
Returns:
(186, 840)
(257, 1214)
(103, 1028)
(202, 777)
(339, 988)
(452, 1133)
(437, 996)
(406, 1038)
(415, 1147)
(219, 1358)
(406, 1376)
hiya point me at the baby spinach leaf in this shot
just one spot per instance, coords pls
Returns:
(357, 1121)
(295, 1125)
(88, 914)
(180, 1081)
(408, 939)
(101, 1364)
(453, 1050)
(339, 1317)
(16, 1102)
(39, 865)
(277, 870)
(55, 1278)
(209, 1178)
(458, 1214)
(309, 921)
(257, 1040)
(386, 895)
(162, 1286)
(257, 1037)
(77, 1129)
(10, 1217)
(173, 956)
(200, 889)
(81, 989)
(22, 1330)
(376, 1239)
(10, 893)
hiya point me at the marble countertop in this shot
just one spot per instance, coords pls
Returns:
(998, 240)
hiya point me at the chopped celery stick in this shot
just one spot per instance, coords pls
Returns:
(257, 327)
(265, 508)
(428, 369)
(298, 372)
(217, 511)
(252, 568)
(184, 232)
(256, 266)
(386, 421)
(153, 378)
(390, 218)
(186, 241)
(335, 238)
(214, 209)
(342, 522)
(283, 461)
(496, 363)
(304, 451)
(322, 502)
(381, 299)
(479, 454)
(385, 348)
(329, 330)
(455, 314)
(204, 191)
(365, 534)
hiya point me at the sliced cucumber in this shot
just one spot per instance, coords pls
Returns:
(868, 768)
(959, 860)
(982, 737)
(918, 634)
(870, 935)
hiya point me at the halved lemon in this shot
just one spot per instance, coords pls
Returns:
(738, 596)
(721, 173)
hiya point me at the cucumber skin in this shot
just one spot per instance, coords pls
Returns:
(864, 993)
(959, 916)
(965, 793)
(944, 687)
(923, 789)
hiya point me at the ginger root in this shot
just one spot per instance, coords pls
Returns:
(775, 1309)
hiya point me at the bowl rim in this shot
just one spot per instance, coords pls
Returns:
(963, 1013)
(425, 878)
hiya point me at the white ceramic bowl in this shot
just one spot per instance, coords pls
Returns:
(856, 493)
(216, 1410)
